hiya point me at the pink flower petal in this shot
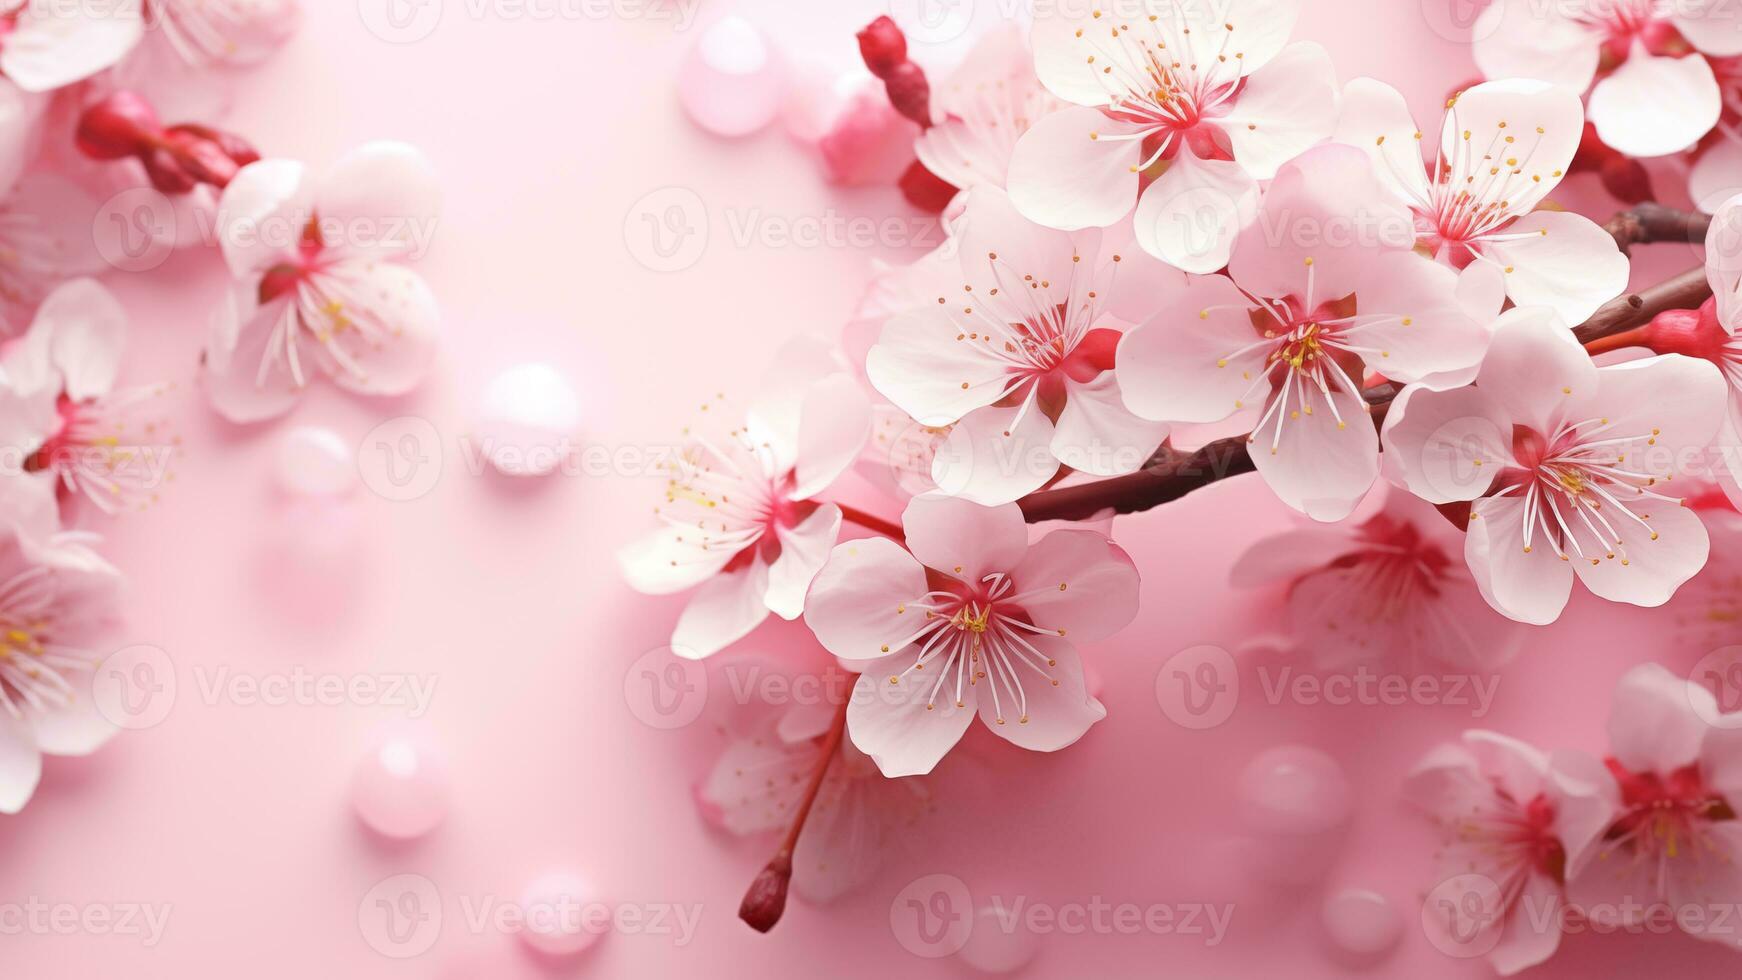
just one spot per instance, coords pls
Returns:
(1529, 586)
(1047, 713)
(722, 612)
(859, 602)
(1565, 262)
(1652, 106)
(1083, 584)
(1285, 107)
(1190, 217)
(964, 539)
(1064, 175)
(804, 548)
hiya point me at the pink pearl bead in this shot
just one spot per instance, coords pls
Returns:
(1294, 790)
(999, 942)
(401, 788)
(316, 462)
(1362, 923)
(527, 419)
(731, 81)
(564, 914)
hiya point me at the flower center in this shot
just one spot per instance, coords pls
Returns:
(1580, 494)
(977, 632)
(1663, 817)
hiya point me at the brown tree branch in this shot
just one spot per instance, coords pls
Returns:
(1171, 474)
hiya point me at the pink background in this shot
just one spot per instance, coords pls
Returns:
(547, 133)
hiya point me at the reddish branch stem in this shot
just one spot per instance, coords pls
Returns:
(1171, 474)
(871, 522)
(765, 900)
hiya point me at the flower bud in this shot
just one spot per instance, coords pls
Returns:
(117, 127)
(909, 92)
(1695, 333)
(765, 902)
(883, 47)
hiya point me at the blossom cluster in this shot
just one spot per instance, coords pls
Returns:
(1174, 234)
(94, 182)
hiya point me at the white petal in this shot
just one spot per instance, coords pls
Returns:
(1285, 107)
(1652, 106)
(722, 612)
(1192, 215)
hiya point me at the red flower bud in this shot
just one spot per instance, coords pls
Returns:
(909, 92)
(1696, 333)
(883, 47)
(166, 171)
(765, 902)
(926, 190)
(119, 126)
(1627, 180)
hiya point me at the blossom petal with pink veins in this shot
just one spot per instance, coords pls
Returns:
(1097, 434)
(1285, 107)
(1326, 217)
(76, 729)
(51, 46)
(1044, 713)
(921, 366)
(1142, 283)
(1534, 127)
(1563, 261)
(964, 539)
(1535, 366)
(1063, 174)
(1286, 556)
(1716, 176)
(1724, 261)
(1653, 106)
(834, 425)
(901, 726)
(1101, 598)
(1191, 216)
(1710, 886)
(1531, 39)
(19, 115)
(1658, 561)
(1410, 324)
(1668, 407)
(859, 602)
(1322, 465)
(1653, 724)
(1533, 927)
(20, 763)
(1197, 358)
(402, 319)
(670, 559)
(85, 329)
(722, 612)
(1375, 119)
(382, 200)
(991, 457)
(1529, 586)
(1712, 26)
(776, 412)
(257, 222)
(992, 226)
(804, 548)
(1482, 292)
(1586, 800)
(240, 333)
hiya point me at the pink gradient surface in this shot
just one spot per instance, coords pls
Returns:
(237, 817)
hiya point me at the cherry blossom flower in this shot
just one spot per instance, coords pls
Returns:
(1322, 287)
(1391, 586)
(1567, 467)
(320, 281)
(982, 110)
(1653, 95)
(57, 600)
(1503, 147)
(740, 518)
(60, 412)
(1520, 820)
(1018, 356)
(48, 46)
(1213, 89)
(859, 817)
(1714, 333)
(973, 620)
(203, 33)
(1675, 839)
